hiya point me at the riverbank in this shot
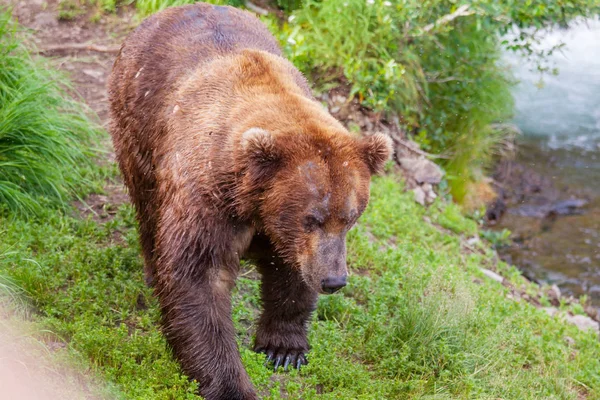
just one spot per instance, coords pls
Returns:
(552, 208)
(552, 188)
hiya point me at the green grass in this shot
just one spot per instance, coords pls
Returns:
(45, 137)
(94, 9)
(147, 7)
(413, 320)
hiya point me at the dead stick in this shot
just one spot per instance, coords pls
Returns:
(79, 47)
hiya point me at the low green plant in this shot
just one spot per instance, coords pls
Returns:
(497, 239)
(45, 135)
(147, 7)
(413, 321)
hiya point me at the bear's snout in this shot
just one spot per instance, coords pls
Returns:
(332, 284)
(331, 261)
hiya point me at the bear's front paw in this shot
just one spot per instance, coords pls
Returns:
(283, 357)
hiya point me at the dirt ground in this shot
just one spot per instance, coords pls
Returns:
(58, 40)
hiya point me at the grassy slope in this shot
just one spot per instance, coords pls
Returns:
(412, 321)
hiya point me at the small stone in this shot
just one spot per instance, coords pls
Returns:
(339, 99)
(556, 290)
(419, 195)
(591, 311)
(492, 275)
(422, 170)
(583, 322)
(431, 196)
(551, 311)
(569, 341)
(93, 73)
(334, 110)
(472, 240)
(554, 295)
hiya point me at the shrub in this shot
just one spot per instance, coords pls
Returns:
(433, 64)
(45, 136)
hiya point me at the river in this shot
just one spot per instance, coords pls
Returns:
(561, 124)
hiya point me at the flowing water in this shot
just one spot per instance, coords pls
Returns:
(561, 126)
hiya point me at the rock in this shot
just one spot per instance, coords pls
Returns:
(45, 19)
(419, 195)
(422, 170)
(431, 196)
(551, 311)
(492, 275)
(473, 240)
(567, 207)
(591, 311)
(556, 290)
(569, 341)
(339, 99)
(584, 322)
(554, 295)
(405, 148)
(94, 73)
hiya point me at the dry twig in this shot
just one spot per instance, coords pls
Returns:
(80, 47)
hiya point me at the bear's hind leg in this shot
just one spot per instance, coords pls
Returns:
(288, 304)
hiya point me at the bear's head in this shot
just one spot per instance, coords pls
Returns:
(311, 189)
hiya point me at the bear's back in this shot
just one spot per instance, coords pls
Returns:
(184, 37)
(171, 45)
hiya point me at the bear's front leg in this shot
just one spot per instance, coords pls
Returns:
(288, 304)
(194, 282)
(197, 324)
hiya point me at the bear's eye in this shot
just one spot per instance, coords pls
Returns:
(312, 222)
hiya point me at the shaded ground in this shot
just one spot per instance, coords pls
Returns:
(88, 70)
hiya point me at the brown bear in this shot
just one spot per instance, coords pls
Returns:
(226, 155)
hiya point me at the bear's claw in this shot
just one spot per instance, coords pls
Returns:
(284, 358)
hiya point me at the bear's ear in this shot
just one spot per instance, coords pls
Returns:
(376, 151)
(259, 146)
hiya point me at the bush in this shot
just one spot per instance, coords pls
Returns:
(435, 65)
(45, 136)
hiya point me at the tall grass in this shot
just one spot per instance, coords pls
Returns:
(147, 7)
(45, 136)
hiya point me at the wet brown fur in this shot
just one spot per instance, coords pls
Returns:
(224, 152)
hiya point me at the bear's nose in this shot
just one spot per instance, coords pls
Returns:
(333, 283)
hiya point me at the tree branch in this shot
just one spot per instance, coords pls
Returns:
(461, 11)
